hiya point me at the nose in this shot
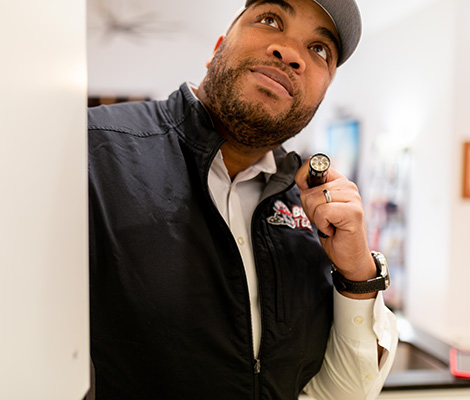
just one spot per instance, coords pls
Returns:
(289, 55)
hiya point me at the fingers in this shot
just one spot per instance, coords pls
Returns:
(301, 177)
(338, 217)
(343, 212)
(340, 190)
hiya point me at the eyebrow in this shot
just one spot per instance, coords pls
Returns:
(281, 3)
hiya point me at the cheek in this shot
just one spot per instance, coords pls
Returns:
(315, 92)
(250, 43)
(317, 84)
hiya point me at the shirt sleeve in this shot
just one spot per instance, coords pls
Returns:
(351, 369)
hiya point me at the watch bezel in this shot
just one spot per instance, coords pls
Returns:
(382, 267)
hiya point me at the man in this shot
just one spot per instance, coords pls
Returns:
(208, 279)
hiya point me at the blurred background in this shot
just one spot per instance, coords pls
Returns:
(395, 121)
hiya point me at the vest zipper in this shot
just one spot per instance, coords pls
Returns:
(257, 371)
(257, 366)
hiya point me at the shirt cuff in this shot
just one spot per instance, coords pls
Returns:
(364, 320)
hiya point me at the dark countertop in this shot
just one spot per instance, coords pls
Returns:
(422, 362)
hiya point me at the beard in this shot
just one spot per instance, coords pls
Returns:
(249, 122)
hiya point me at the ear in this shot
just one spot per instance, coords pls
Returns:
(217, 45)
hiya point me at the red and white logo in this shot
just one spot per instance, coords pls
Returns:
(293, 219)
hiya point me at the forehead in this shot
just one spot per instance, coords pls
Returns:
(281, 3)
(294, 7)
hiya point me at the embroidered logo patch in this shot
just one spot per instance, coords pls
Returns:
(293, 219)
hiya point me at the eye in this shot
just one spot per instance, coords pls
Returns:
(270, 20)
(320, 50)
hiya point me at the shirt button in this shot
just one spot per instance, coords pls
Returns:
(358, 320)
(369, 377)
(241, 241)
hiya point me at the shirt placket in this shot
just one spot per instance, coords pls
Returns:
(243, 239)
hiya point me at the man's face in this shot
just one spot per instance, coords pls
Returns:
(271, 72)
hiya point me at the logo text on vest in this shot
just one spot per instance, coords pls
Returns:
(293, 219)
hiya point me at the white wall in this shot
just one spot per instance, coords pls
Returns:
(459, 294)
(44, 350)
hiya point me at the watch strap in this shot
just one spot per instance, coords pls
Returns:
(380, 282)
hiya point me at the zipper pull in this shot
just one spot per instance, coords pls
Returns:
(257, 366)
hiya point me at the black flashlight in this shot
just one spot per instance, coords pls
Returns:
(318, 168)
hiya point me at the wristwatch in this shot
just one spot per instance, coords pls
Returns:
(381, 282)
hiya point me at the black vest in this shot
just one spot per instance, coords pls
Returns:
(170, 312)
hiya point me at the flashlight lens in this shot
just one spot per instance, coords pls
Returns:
(320, 162)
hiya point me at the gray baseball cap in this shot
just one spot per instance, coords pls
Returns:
(346, 16)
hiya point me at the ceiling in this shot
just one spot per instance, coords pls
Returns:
(213, 14)
(150, 46)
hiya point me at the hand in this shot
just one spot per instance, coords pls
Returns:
(342, 220)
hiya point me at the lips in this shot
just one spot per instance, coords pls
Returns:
(277, 76)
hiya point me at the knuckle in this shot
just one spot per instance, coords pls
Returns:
(354, 186)
(358, 213)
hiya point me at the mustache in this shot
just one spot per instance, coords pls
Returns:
(253, 62)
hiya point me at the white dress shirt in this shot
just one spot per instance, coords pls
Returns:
(351, 369)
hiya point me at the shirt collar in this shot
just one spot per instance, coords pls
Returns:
(267, 165)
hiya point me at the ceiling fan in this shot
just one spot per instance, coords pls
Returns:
(132, 19)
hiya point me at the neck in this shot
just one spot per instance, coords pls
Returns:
(237, 159)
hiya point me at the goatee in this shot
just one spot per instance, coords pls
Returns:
(248, 122)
